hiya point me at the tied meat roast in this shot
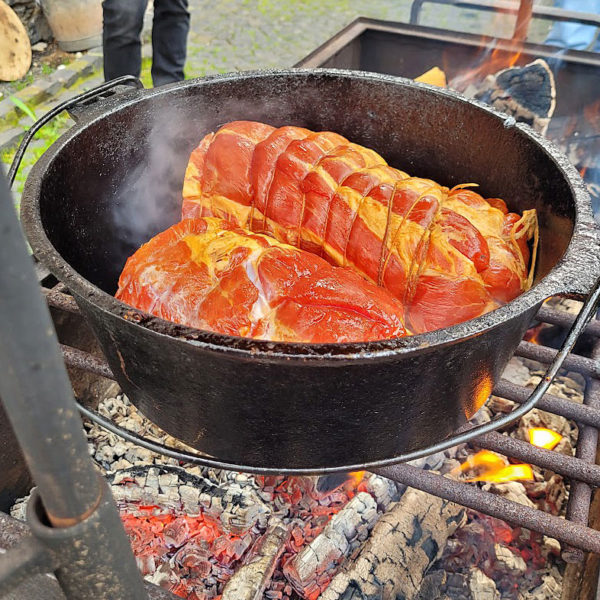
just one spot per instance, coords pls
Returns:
(349, 248)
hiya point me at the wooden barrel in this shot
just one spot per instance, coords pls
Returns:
(76, 24)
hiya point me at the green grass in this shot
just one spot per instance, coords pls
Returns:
(145, 75)
(23, 83)
(48, 134)
(47, 69)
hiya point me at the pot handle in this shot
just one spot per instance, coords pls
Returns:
(81, 100)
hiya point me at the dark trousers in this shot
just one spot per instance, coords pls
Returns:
(123, 22)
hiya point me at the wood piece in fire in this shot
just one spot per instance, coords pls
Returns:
(526, 93)
(310, 570)
(250, 580)
(403, 545)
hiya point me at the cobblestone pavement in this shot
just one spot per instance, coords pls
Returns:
(248, 34)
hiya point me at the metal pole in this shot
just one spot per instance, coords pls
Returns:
(38, 399)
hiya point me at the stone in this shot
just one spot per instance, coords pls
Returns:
(81, 67)
(39, 47)
(10, 138)
(32, 16)
(66, 76)
(31, 95)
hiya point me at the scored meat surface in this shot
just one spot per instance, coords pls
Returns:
(210, 274)
(446, 255)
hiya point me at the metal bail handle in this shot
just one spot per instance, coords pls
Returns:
(81, 99)
(583, 318)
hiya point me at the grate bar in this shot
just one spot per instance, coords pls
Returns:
(79, 359)
(581, 413)
(574, 534)
(564, 319)
(57, 299)
(573, 362)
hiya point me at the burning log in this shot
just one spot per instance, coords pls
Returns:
(250, 581)
(385, 491)
(402, 547)
(310, 571)
(526, 93)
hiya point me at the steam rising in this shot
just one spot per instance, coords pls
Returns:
(149, 197)
(148, 200)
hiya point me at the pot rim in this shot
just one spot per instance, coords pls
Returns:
(573, 273)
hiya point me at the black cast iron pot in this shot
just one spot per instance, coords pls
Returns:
(114, 181)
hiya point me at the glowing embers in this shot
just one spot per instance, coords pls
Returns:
(220, 535)
(544, 438)
(492, 468)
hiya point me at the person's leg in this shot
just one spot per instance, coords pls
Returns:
(169, 40)
(123, 22)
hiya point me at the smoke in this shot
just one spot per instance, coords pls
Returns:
(149, 196)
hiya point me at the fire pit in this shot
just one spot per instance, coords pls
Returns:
(500, 500)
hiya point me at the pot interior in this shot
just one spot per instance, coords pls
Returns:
(117, 182)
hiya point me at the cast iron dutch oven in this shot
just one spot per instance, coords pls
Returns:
(115, 179)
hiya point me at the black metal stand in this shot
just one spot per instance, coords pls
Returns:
(78, 534)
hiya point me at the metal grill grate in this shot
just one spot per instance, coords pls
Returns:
(580, 470)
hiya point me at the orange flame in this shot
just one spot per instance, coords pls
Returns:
(521, 472)
(493, 468)
(499, 59)
(357, 476)
(533, 334)
(544, 438)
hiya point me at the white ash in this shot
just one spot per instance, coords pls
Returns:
(510, 561)
(403, 545)
(310, 570)
(482, 587)
(250, 580)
